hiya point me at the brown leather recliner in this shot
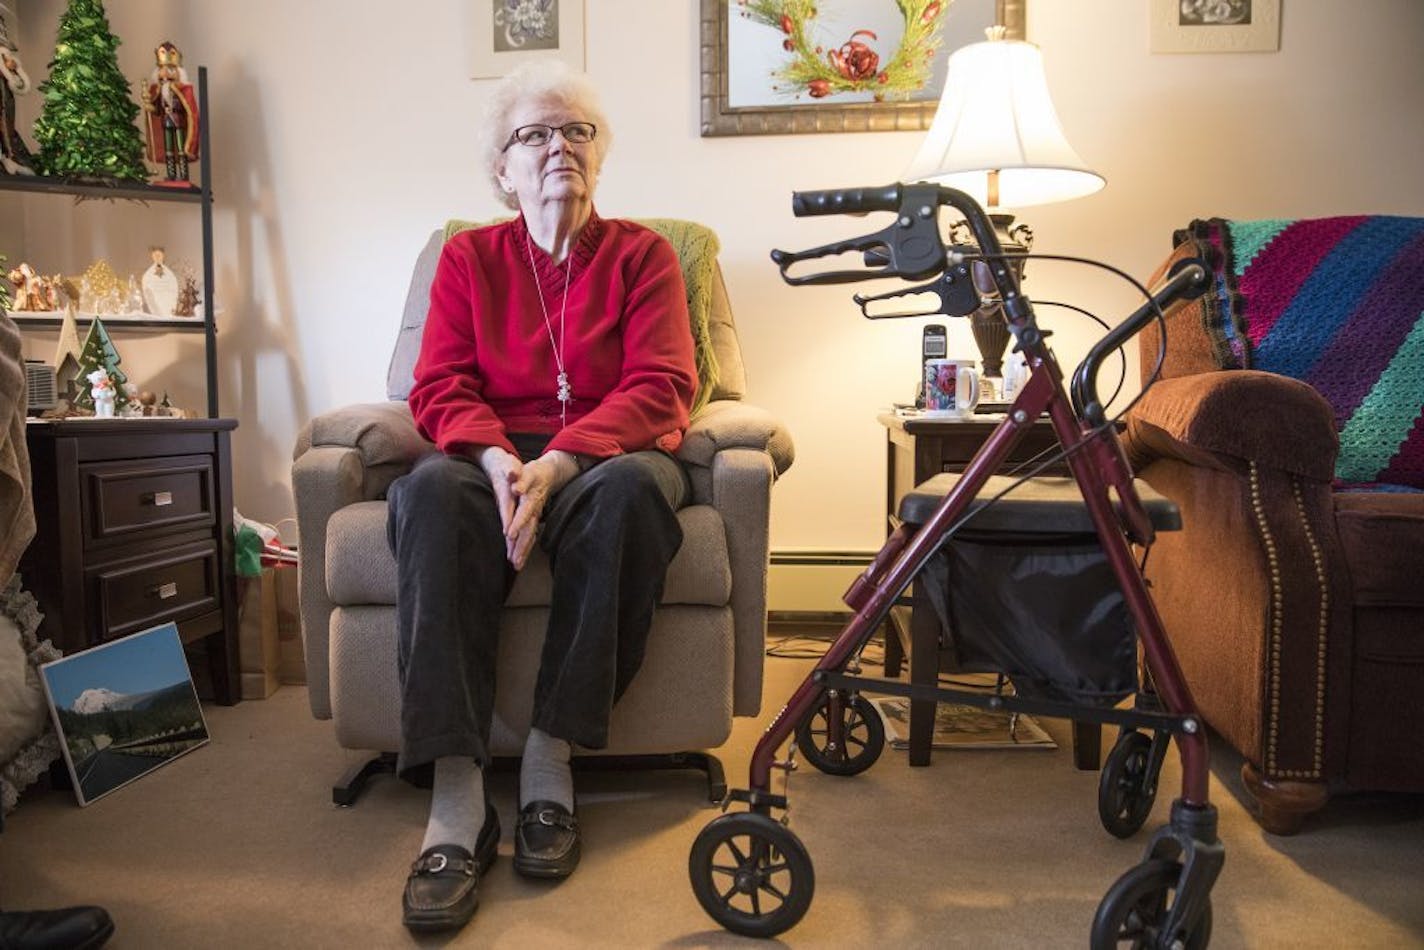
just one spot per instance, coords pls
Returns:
(1295, 605)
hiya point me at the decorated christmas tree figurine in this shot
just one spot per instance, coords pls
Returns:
(101, 289)
(15, 157)
(99, 353)
(87, 127)
(66, 353)
(188, 298)
(172, 118)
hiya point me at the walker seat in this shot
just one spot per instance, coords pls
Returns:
(1038, 506)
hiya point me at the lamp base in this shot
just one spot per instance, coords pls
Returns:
(991, 330)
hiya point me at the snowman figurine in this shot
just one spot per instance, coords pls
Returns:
(102, 389)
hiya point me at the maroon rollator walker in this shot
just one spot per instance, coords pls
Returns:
(749, 871)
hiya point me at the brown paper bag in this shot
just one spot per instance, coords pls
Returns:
(257, 635)
(292, 667)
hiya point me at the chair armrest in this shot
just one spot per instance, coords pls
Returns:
(1244, 415)
(741, 493)
(341, 457)
(325, 479)
(1252, 591)
(732, 424)
(383, 434)
(733, 453)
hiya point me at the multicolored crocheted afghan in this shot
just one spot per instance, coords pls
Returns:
(1337, 303)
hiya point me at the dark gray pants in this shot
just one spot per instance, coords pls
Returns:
(609, 534)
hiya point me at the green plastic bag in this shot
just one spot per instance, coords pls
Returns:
(249, 552)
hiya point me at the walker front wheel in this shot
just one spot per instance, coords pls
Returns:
(1127, 788)
(862, 734)
(1135, 909)
(751, 874)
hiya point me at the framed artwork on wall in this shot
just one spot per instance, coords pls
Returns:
(1216, 26)
(772, 67)
(508, 33)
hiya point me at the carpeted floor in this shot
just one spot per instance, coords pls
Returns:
(237, 845)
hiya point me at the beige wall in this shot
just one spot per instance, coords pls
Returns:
(343, 133)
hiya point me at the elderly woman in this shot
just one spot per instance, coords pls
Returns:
(555, 376)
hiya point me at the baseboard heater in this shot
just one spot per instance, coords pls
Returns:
(811, 582)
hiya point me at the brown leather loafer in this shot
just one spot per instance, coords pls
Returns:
(442, 891)
(546, 841)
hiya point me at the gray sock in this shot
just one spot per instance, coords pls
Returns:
(544, 774)
(457, 803)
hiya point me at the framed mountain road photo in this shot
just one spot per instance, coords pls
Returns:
(123, 709)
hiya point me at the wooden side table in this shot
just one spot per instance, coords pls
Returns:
(916, 448)
(133, 529)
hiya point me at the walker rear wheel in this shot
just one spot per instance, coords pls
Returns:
(862, 735)
(1136, 907)
(1126, 787)
(751, 874)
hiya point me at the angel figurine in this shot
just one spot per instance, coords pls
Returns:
(160, 285)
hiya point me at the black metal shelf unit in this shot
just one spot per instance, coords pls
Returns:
(202, 195)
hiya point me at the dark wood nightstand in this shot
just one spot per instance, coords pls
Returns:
(134, 529)
(916, 448)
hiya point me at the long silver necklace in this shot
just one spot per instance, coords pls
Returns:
(564, 391)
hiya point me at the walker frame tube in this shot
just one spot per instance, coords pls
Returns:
(1094, 458)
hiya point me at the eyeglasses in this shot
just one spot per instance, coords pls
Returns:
(539, 135)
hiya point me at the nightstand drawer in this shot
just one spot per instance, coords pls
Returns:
(165, 585)
(122, 499)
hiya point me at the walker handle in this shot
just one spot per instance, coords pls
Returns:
(845, 200)
(1188, 279)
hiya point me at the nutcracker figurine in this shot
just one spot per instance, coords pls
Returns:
(172, 116)
(15, 158)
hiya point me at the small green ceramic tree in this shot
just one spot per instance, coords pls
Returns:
(99, 352)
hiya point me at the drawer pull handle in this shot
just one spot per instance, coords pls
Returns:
(159, 498)
(165, 591)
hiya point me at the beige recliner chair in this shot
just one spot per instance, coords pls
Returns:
(705, 650)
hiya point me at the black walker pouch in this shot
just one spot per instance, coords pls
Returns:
(1025, 589)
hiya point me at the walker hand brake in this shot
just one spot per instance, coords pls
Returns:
(954, 288)
(910, 248)
(914, 253)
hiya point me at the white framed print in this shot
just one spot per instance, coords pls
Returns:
(122, 709)
(1216, 26)
(507, 33)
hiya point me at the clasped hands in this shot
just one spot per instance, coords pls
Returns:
(521, 489)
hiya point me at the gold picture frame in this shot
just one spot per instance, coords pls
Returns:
(1226, 26)
(721, 117)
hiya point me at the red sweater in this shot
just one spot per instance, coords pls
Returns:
(487, 366)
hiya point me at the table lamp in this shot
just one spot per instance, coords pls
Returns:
(996, 137)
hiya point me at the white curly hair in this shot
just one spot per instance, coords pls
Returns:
(538, 79)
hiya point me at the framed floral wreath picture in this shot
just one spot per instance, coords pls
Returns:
(509, 32)
(788, 66)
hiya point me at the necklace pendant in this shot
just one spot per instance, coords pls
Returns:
(566, 392)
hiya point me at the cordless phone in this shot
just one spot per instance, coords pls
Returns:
(934, 345)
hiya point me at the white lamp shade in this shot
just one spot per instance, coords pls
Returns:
(996, 115)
